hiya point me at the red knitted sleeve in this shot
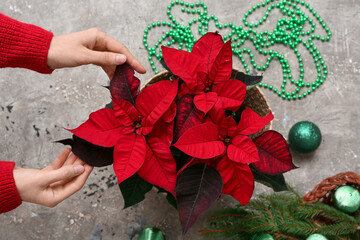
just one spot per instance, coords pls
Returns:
(9, 196)
(23, 45)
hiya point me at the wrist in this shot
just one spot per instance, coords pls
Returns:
(9, 196)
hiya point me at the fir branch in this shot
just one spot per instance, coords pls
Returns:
(277, 208)
(284, 216)
(280, 235)
(338, 237)
(227, 215)
(263, 207)
(292, 190)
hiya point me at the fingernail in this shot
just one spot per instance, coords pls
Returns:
(79, 169)
(120, 59)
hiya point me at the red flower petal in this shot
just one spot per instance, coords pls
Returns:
(201, 141)
(125, 112)
(129, 155)
(124, 85)
(251, 122)
(238, 180)
(154, 101)
(187, 116)
(227, 127)
(183, 90)
(242, 150)
(208, 47)
(184, 64)
(217, 113)
(163, 130)
(274, 154)
(170, 114)
(159, 167)
(102, 128)
(204, 102)
(231, 92)
(222, 67)
(211, 162)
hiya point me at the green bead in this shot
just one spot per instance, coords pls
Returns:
(151, 234)
(304, 137)
(316, 236)
(347, 199)
(296, 23)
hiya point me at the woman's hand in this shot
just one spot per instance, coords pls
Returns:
(90, 47)
(51, 185)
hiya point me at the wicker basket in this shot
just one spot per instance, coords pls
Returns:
(255, 98)
(323, 191)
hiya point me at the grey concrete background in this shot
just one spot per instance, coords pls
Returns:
(35, 108)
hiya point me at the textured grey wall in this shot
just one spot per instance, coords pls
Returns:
(35, 108)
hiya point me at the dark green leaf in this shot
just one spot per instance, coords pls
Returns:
(171, 200)
(93, 155)
(276, 182)
(248, 80)
(110, 105)
(162, 61)
(197, 188)
(134, 189)
(169, 197)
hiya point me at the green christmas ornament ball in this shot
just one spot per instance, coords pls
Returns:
(262, 236)
(151, 233)
(347, 199)
(304, 137)
(316, 236)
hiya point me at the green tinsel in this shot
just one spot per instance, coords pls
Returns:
(284, 216)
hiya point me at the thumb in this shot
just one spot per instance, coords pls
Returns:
(105, 58)
(63, 173)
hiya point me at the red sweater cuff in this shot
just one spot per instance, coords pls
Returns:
(23, 45)
(9, 196)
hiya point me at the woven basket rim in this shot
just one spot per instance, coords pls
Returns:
(322, 190)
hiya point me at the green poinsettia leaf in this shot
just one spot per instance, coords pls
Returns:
(110, 105)
(169, 197)
(171, 200)
(94, 155)
(276, 182)
(134, 189)
(197, 188)
(163, 63)
(249, 80)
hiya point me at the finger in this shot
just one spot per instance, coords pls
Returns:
(76, 161)
(65, 191)
(109, 70)
(59, 160)
(70, 160)
(104, 58)
(63, 173)
(110, 44)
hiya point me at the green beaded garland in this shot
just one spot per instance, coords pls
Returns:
(347, 199)
(304, 137)
(262, 236)
(288, 32)
(316, 236)
(151, 234)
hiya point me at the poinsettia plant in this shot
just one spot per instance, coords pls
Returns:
(190, 135)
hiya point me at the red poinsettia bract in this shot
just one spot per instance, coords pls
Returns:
(137, 132)
(228, 140)
(206, 72)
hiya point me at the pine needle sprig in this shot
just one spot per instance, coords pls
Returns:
(284, 216)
